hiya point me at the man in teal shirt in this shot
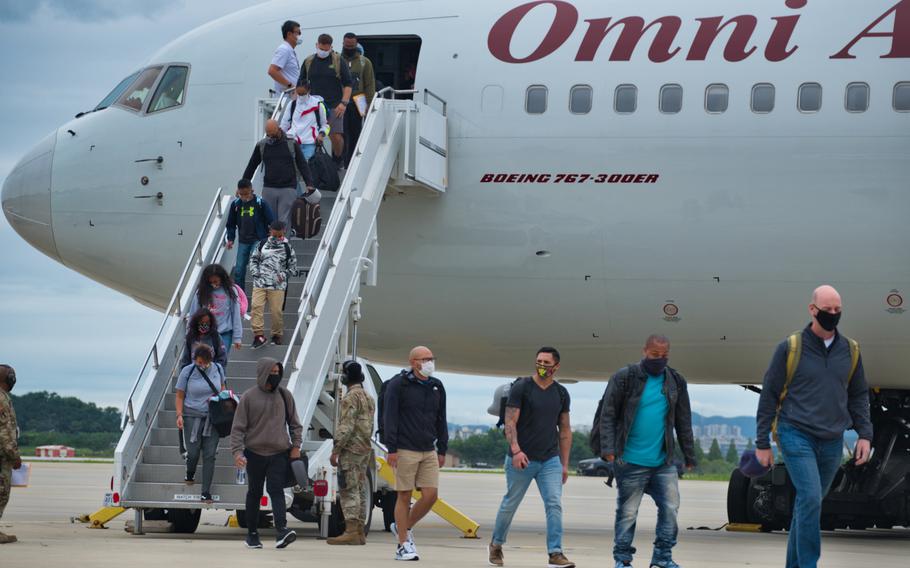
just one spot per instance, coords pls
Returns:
(642, 406)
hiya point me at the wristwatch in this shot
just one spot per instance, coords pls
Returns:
(345, 103)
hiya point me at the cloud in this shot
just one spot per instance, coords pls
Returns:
(84, 10)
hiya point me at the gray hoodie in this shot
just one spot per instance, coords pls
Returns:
(259, 423)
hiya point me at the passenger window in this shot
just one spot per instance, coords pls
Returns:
(170, 90)
(134, 96)
(717, 98)
(810, 97)
(536, 99)
(902, 97)
(857, 99)
(625, 100)
(671, 99)
(581, 99)
(763, 98)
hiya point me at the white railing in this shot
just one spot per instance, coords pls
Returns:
(153, 380)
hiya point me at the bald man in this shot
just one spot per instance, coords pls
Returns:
(283, 164)
(417, 436)
(809, 412)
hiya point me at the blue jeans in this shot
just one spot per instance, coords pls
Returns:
(227, 339)
(308, 151)
(548, 475)
(244, 251)
(811, 464)
(662, 484)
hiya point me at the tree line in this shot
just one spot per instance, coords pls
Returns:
(491, 448)
(46, 418)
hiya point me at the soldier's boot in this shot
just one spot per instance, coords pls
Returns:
(361, 533)
(7, 538)
(350, 534)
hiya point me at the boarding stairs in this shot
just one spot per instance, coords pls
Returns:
(403, 146)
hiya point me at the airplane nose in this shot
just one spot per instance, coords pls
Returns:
(26, 197)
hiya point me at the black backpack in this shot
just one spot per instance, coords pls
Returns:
(380, 403)
(504, 399)
(324, 170)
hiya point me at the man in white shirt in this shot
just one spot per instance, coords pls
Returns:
(285, 68)
(306, 121)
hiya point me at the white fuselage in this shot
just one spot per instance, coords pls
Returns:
(749, 213)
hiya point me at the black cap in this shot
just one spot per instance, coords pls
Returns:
(303, 82)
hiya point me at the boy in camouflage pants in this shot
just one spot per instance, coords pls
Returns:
(9, 449)
(352, 453)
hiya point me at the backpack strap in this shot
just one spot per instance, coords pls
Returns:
(794, 354)
(292, 148)
(209, 381)
(854, 358)
(287, 255)
(261, 145)
(336, 62)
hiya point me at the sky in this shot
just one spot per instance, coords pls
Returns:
(65, 333)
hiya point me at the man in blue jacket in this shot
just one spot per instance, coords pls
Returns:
(809, 409)
(251, 217)
(417, 437)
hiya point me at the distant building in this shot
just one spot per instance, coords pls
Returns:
(723, 433)
(55, 452)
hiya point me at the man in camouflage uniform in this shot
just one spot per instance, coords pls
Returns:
(352, 453)
(9, 450)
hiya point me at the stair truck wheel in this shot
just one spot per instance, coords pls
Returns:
(738, 498)
(387, 503)
(368, 503)
(185, 521)
(336, 520)
(265, 519)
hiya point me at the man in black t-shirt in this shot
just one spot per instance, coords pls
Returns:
(540, 439)
(330, 78)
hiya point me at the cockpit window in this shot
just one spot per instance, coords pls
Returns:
(134, 96)
(118, 90)
(170, 90)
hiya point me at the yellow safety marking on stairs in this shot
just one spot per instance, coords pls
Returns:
(447, 512)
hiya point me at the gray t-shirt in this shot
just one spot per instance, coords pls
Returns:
(197, 390)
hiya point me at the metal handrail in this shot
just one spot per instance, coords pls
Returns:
(195, 257)
(312, 287)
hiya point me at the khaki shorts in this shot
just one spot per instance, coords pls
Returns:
(416, 470)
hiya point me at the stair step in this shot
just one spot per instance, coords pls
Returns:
(170, 455)
(174, 473)
(228, 496)
(168, 437)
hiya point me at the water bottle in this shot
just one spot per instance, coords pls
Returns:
(240, 477)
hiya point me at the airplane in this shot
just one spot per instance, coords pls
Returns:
(616, 170)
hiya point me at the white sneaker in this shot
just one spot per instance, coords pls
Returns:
(406, 551)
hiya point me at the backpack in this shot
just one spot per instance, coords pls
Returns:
(292, 148)
(380, 403)
(504, 399)
(241, 299)
(336, 63)
(794, 354)
(324, 170)
(306, 218)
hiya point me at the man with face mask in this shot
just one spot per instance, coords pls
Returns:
(364, 85)
(330, 78)
(352, 453)
(642, 405)
(417, 437)
(266, 434)
(825, 395)
(9, 448)
(285, 68)
(540, 440)
(283, 165)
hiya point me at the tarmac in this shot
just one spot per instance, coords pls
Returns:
(40, 515)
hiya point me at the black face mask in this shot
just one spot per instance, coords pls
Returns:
(349, 52)
(273, 380)
(827, 320)
(654, 367)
